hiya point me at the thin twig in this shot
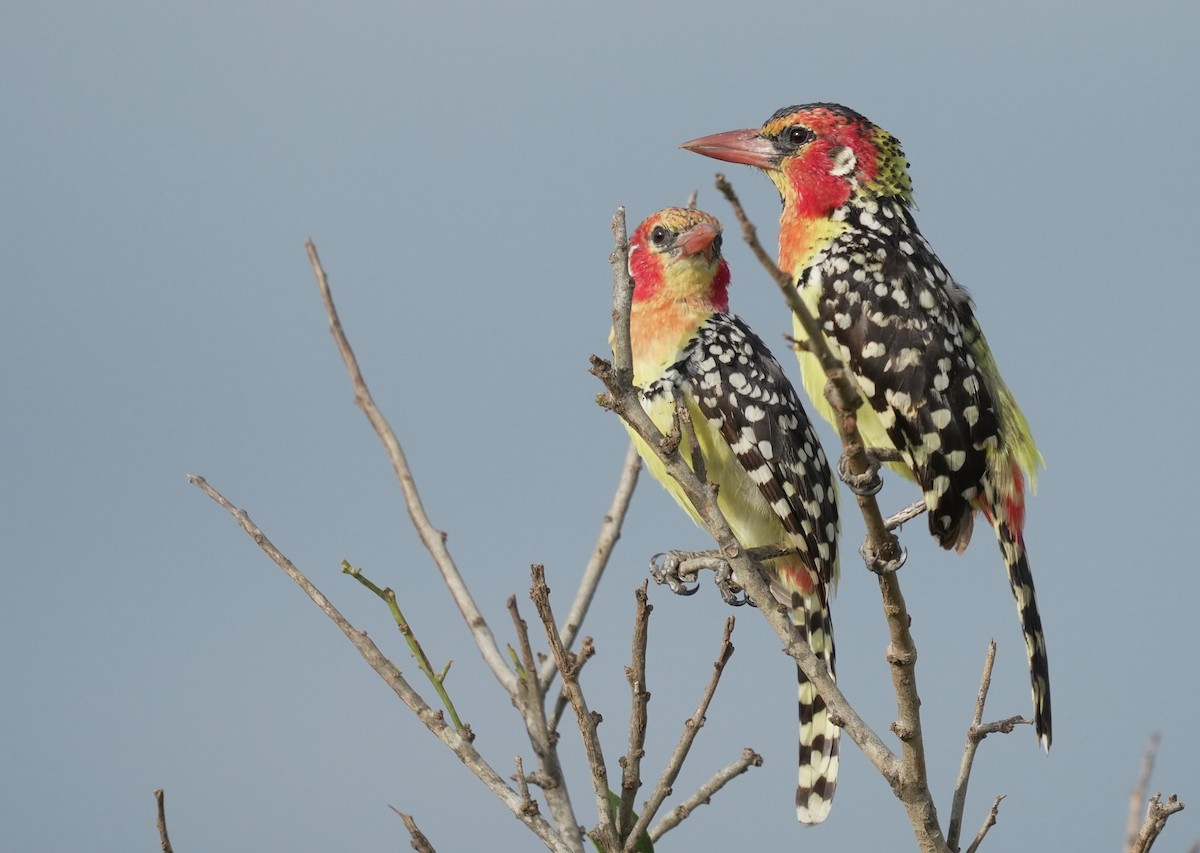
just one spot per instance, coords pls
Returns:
(1137, 797)
(1157, 813)
(631, 762)
(163, 841)
(433, 539)
(438, 680)
(968, 757)
(419, 842)
(610, 532)
(586, 650)
(560, 704)
(691, 728)
(457, 741)
(881, 548)
(908, 513)
(605, 833)
(988, 823)
(704, 794)
(523, 783)
(528, 672)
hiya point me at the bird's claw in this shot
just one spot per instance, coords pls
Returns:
(731, 593)
(869, 482)
(667, 569)
(680, 571)
(877, 564)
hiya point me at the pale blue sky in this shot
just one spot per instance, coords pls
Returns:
(457, 166)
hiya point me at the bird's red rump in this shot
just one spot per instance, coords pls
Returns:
(795, 575)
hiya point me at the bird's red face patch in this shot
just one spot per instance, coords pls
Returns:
(820, 174)
(678, 236)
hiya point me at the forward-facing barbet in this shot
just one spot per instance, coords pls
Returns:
(756, 442)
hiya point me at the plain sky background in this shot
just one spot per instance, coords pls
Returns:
(458, 166)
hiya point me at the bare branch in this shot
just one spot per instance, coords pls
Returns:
(705, 792)
(606, 832)
(988, 823)
(631, 762)
(610, 532)
(1138, 795)
(419, 842)
(433, 539)
(457, 741)
(691, 728)
(1156, 821)
(163, 841)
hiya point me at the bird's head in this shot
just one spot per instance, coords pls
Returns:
(675, 254)
(819, 156)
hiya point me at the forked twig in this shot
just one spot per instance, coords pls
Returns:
(1157, 813)
(976, 732)
(691, 728)
(988, 823)
(704, 794)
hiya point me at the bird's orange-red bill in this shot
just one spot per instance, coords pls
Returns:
(747, 147)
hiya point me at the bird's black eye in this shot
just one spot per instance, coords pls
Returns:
(793, 137)
(716, 245)
(660, 236)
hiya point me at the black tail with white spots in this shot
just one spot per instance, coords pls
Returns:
(1012, 546)
(819, 737)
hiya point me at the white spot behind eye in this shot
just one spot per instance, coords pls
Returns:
(844, 161)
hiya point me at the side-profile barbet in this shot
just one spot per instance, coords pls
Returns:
(758, 447)
(906, 330)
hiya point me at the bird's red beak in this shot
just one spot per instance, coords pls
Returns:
(696, 239)
(737, 146)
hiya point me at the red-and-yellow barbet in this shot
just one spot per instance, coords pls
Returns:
(774, 485)
(906, 330)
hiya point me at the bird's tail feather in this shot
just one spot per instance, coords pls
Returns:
(819, 737)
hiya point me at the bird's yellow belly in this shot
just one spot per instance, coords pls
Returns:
(750, 517)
